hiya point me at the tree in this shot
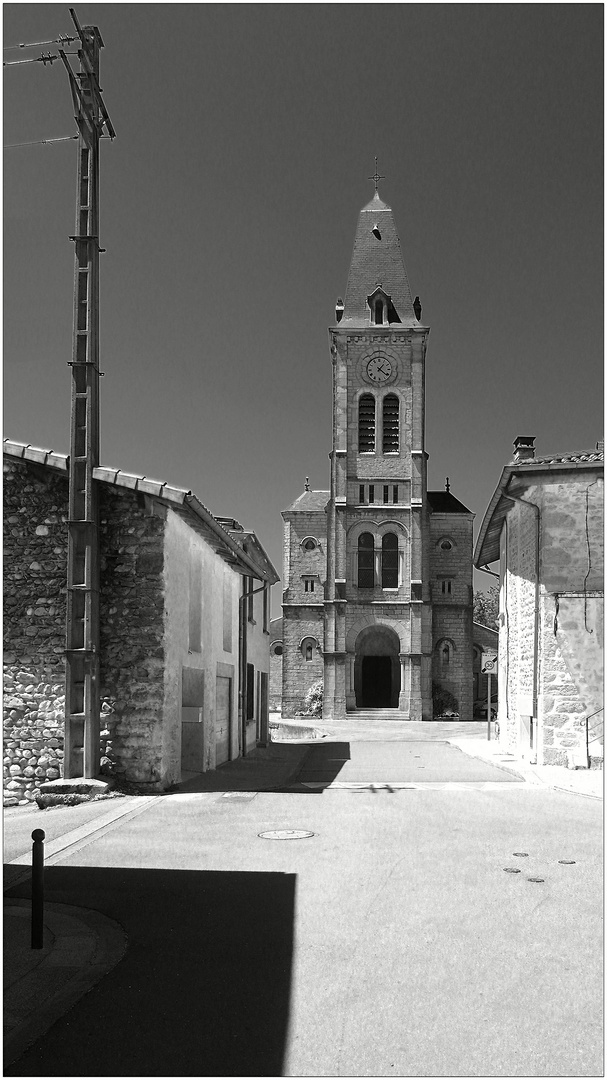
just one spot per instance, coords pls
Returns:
(485, 607)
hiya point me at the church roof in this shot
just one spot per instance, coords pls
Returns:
(377, 260)
(309, 500)
(443, 502)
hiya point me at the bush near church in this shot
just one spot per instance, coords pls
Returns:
(444, 703)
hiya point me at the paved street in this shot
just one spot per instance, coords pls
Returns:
(390, 942)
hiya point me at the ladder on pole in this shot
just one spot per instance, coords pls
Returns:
(81, 752)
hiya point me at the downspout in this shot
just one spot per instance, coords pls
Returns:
(242, 643)
(536, 612)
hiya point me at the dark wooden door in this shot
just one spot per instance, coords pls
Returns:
(376, 682)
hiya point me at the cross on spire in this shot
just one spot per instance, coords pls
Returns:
(376, 177)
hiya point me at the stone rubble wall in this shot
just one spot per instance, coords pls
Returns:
(131, 638)
(132, 653)
(35, 551)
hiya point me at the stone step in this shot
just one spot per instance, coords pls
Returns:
(377, 714)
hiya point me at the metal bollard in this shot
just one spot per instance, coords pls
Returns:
(38, 889)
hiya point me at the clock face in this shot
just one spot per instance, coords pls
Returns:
(379, 369)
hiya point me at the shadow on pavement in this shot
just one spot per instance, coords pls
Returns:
(322, 764)
(203, 989)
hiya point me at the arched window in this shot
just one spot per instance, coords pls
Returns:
(366, 424)
(444, 650)
(307, 648)
(365, 561)
(389, 561)
(390, 425)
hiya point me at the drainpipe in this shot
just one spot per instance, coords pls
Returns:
(243, 641)
(536, 612)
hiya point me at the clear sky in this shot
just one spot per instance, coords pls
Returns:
(229, 199)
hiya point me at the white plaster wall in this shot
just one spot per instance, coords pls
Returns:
(182, 542)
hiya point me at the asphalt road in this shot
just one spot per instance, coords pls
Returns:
(390, 942)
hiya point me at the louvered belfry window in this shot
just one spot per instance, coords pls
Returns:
(366, 424)
(365, 561)
(389, 561)
(390, 428)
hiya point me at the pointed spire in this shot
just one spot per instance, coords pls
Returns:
(377, 257)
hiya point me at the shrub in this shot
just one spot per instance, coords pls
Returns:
(313, 699)
(443, 700)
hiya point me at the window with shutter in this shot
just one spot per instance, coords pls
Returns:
(366, 424)
(390, 425)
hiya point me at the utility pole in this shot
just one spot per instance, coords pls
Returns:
(81, 752)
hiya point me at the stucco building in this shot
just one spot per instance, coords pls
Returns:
(377, 570)
(545, 526)
(184, 627)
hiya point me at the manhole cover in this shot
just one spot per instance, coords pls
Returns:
(511, 870)
(538, 879)
(521, 854)
(285, 834)
(567, 862)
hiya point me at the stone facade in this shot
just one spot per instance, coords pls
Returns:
(545, 524)
(378, 625)
(451, 584)
(276, 650)
(304, 575)
(172, 681)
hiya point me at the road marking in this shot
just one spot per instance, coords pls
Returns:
(398, 785)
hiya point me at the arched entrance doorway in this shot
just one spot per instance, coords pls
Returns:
(377, 668)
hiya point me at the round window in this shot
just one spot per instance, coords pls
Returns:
(309, 544)
(277, 649)
(446, 545)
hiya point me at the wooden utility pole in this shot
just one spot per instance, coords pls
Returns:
(81, 753)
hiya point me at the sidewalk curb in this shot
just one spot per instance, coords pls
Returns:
(86, 946)
(481, 757)
(526, 772)
(78, 838)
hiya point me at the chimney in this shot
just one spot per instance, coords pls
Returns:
(524, 448)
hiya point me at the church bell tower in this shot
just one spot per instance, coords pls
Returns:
(377, 602)
(377, 607)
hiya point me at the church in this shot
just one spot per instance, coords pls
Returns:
(377, 576)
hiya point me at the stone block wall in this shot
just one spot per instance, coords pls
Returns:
(276, 652)
(298, 673)
(35, 550)
(568, 676)
(452, 611)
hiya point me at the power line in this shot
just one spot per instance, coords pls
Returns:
(41, 142)
(45, 58)
(63, 39)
